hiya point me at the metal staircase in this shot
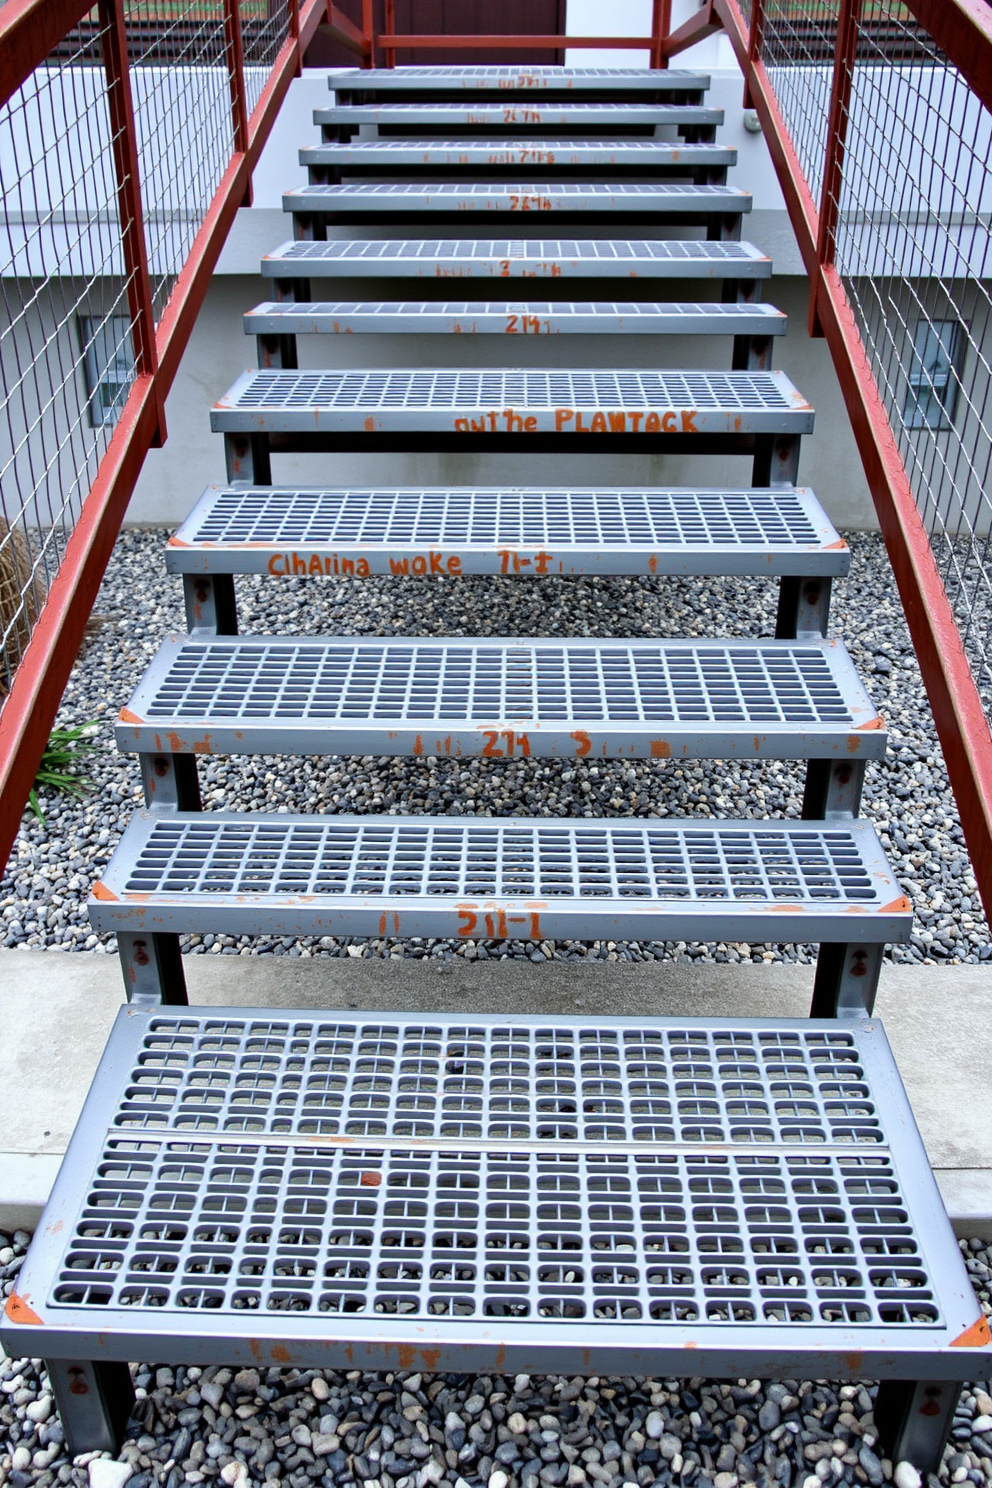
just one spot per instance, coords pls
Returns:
(652, 1195)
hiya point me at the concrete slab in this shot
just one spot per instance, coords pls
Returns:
(56, 1011)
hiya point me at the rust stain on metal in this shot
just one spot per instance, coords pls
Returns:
(280, 1353)
(977, 1336)
(855, 1362)
(19, 1310)
(660, 749)
(256, 1348)
(786, 909)
(370, 425)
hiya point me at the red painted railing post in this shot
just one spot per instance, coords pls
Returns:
(236, 77)
(390, 31)
(124, 146)
(845, 50)
(294, 33)
(661, 25)
(368, 28)
(753, 46)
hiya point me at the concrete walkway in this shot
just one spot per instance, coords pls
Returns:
(57, 1009)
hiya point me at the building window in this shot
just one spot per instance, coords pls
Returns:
(108, 364)
(934, 374)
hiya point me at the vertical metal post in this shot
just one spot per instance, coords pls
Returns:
(294, 34)
(94, 1401)
(914, 1420)
(390, 31)
(845, 50)
(753, 46)
(134, 249)
(661, 25)
(368, 27)
(236, 79)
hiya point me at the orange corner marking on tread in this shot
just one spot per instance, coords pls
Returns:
(19, 1311)
(178, 542)
(836, 547)
(100, 891)
(979, 1335)
(878, 722)
(897, 906)
(126, 716)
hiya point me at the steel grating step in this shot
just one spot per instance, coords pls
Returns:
(507, 258)
(516, 114)
(640, 154)
(466, 401)
(287, 531)
(350, 85)
(260, 874)
(463, 1192)
(661, 198)
(503, 698)
(520, 318)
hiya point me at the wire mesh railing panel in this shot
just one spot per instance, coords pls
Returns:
(913, 247)
(66, 359)
(797, 48)
(264, 28)
(180, 77)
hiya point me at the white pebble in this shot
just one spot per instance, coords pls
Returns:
(21, 1459)
(107, 1474)
(517, 1423)
(319, 1388)
(905, 1475)
(498, 1480)
(983, 1403)
(235, 1474)
(39, 1410)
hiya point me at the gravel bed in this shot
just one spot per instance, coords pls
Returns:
(352, 1430)
(42, 897)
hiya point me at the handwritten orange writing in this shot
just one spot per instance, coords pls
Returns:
(514, 741)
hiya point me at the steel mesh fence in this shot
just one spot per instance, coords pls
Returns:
(71, 296)
(264, 28)
(913, 247)
(66, 362)
(180, 76)
(913, 250)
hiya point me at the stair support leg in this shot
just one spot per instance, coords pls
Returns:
(724, 227)
(153, 968)
(833, 788)
(914, 1420)
(846, 979)
(94, 1402)
(803, 607)
(211, 606)
(247, 459)
(309, 227)
(291, 291)
(776, 460)
(277, 352)
(752, 354)
(170, 782)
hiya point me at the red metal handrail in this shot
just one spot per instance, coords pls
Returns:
(962, 30)
(29, 32)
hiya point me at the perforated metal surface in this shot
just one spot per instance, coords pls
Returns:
(260, 874)
(511, 79)
(493, 196)
(519, 258)
(646, 154)
(469, 402)
(287, 532)
(516, 318)
(241, 1179)
(781, 699)
(513, 115)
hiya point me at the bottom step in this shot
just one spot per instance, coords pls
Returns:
(479, 1193)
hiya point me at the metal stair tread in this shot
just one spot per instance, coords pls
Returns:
(469, 151)
(509, 80)
(343, 1189)
(551, 400)
(556, 878)
(282, 530)
(502, 697)
(516, 115)
(512, 197)
(509, 258)
(520, 317)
